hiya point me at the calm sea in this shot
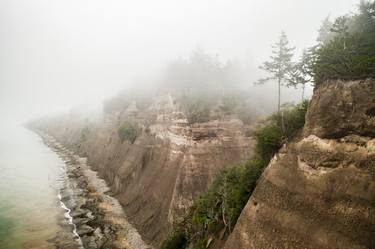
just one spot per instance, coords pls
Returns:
(30, 176)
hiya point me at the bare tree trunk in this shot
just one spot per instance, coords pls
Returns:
(224, 202)
(303, 92)
(223, 214)
(278, 101)
(282, 121)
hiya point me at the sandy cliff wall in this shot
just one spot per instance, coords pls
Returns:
(157, 177)
(319, 191)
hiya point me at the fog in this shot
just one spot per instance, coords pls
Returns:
(58, 54)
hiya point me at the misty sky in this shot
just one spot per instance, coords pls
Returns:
(55, 54)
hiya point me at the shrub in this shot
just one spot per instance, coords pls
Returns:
(128, 131)
(175, 241)
(198, 115)
(269, 140)
(279, 128)
(197, 109)
(84, 134)
(292, 119)
(200, 244)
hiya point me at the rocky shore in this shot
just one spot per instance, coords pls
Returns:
(96, 220)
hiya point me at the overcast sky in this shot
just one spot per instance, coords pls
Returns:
(55, 54)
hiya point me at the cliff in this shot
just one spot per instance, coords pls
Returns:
(319, 190)
(170, 163)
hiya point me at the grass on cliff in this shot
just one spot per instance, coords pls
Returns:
(128, 131)
(218, 209)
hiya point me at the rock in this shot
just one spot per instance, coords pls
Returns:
(318, 202)
(341, 108)
(81, 221)
(202, 134)
(319, 192)
(84, 229)
(94, 241)
(78, 213)
(99, 237)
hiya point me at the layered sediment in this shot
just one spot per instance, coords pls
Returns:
(157, 177)
(319, 190)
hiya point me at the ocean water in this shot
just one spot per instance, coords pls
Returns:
(30, 176)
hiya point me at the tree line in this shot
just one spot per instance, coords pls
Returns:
(345, 49)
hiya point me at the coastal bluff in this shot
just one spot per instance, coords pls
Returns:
(319, 190)
(157, 176)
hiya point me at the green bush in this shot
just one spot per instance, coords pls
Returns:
(175, 241)
(279, 128)
(200, 244)
(220, 207)
(269, 140)
(292, 119)
(128, 131)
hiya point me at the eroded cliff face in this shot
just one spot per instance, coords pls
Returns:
(319, 190)
(158, 176)
(341, 108)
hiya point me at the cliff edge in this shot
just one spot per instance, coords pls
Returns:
(157, 176)
(319, 190)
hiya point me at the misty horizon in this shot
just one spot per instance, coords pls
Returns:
(59, 55)
(216, 124)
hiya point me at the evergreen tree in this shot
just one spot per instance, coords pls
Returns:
(280, 64)
(324, 32)
(350, 53)
(302, 72)
(340, 26)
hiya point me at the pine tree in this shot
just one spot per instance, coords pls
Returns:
(280, 64)
(302, 72)
(324, 32)
(350, 53)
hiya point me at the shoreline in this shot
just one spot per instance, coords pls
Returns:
(97, 219)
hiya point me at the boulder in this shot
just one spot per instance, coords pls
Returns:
(339, 108)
